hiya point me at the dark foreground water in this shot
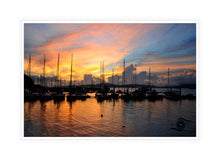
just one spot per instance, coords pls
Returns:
(83, 118)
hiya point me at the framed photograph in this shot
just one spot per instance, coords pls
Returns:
(134, 79)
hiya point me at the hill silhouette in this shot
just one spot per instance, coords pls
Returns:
(28, 82)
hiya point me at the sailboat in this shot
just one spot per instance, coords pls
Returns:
(59, 96)
(102, 93)
(44, 96)
(125, 95)
(151, 93)
(169, 94)
(112, 92)
(71, 96)
(29, 95)
(137, 94)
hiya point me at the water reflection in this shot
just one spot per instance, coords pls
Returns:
(120, 118)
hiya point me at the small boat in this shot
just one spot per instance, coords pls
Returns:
(119, 91)
(71, 97)
(172, 95)
(45, 97)
(109, 96)
(100, 96)
(138, 95)
(169, 94)
(126, 96)
(81, 96)
(115, 95)
(152, 95)
(28, 96)
(59, 96)
(189, 97)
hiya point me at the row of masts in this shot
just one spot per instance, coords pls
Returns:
(102, 73)
(71, 70)
(102, 77)
(58, 74)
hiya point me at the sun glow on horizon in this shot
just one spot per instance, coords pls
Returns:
(158, 46)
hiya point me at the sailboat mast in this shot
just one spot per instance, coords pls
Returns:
(113, 79)
(100, 73)
(103, 73)
(60, 80)
(58, 70)
(150, 77)
(60, 76)
(112, 75)
(168, 78)
(124, 75)
(92, 82)
(29, 66)
(44, 70)
(71, 70)
(135, 77)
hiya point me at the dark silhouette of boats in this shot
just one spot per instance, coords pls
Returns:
(81, 94)
(170, 94)
(29, 93)
(29, 96)
(44, 93)
(126, 96)
(71, 95)
(100, 96)
(103, 93)
(189, 97)
(77, 93)
(119, 91)
(45, 97)
(138, 95)
(111, 95)
(141, 92)
(152, 95)
(58, 96)
(114, 95)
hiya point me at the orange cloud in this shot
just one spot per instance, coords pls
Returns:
(87, 57)
(90, 45)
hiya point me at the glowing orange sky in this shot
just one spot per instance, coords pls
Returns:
(92, 43)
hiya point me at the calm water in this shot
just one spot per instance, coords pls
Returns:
(83, 118)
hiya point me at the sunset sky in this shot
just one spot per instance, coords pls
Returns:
(155, 45)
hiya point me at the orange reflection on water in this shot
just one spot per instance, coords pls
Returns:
(83, 118)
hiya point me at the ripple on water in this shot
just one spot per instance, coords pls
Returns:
(83, 118)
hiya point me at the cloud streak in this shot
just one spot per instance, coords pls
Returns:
(156, 45)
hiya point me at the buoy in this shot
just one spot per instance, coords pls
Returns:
(180, 124)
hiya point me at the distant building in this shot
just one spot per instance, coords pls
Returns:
(141, 77)
(116, 79)
(87, 79)
(96, 80)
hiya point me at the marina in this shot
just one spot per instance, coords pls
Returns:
(112, 91)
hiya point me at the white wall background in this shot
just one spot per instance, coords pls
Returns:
(13, 147)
